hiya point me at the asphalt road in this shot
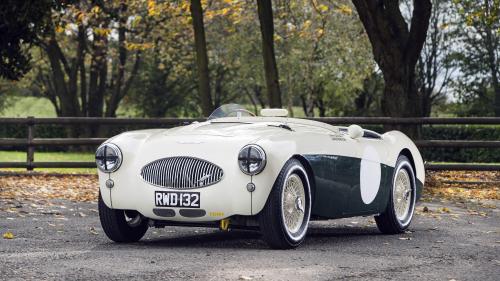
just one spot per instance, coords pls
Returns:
(63, 240)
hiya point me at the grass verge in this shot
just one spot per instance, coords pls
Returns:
(20, 156)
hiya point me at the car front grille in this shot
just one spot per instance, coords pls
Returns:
(181, 173)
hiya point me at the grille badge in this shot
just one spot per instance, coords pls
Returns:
(206, 176)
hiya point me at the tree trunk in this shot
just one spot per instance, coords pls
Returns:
(97, 77)
(81, 67)
(309, 104)
(218, 91)
(257, 92)
(321, 107)
(396, 49)
(265, 11)
(113, 101)
(60, 86)
(401, 99)
(496, 88)
(493, 65)
(201, 58)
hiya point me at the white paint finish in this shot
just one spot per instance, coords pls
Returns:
(369, 174)
(274, 112)
(355, 131)
(397, 141)
(219, 142)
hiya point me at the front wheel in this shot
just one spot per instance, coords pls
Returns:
(121, 225)
(399, 211)
(285, 217)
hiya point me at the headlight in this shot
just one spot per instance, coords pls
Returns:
(252, 159)
(108, 158)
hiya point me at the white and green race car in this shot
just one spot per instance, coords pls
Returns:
(270, 173)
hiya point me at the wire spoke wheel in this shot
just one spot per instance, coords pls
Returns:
(402, 195)
(398, 214)
(294, 197)
(284, 220)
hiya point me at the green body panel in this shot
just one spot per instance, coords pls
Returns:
(420, 188)
(337, 187)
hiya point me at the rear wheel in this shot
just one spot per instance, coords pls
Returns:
(399, 211)
(121, 225)
(285, 217)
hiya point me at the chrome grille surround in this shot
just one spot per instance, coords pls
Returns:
(181, 172)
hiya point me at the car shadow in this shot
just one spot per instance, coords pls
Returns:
(216, 239)
(342, 232)
(251, 240)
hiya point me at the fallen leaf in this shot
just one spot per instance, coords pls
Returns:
(8, 235)
(93, 231)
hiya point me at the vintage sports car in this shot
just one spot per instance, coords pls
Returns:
(270, 173)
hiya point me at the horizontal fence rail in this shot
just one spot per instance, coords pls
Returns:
(329, 120)
(31, 142)
(97, 141)
(410, 121)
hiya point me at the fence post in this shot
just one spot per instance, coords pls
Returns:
(30, 155)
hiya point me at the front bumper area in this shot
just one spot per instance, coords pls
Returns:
(224, 199)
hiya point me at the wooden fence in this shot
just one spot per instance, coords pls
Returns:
(31, 142)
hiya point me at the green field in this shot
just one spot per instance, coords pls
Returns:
(20, 156)
(18, 106)
(28, 106)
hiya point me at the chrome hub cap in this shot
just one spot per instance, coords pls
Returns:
(402, 195)
(133, 219)
(294, 197)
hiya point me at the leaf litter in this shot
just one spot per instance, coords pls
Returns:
(37, 192)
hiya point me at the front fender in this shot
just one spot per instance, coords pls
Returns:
(398, 142)
(277, 153)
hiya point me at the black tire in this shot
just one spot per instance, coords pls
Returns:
(117, 228)
(388, 222)
(271, 218)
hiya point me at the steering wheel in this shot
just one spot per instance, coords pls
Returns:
(240, 112)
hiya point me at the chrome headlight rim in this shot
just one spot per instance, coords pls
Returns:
(263, 159)
(117, 151)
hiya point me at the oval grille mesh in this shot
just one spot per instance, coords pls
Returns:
(181, 173)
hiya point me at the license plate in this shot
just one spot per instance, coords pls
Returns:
(177, 199)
